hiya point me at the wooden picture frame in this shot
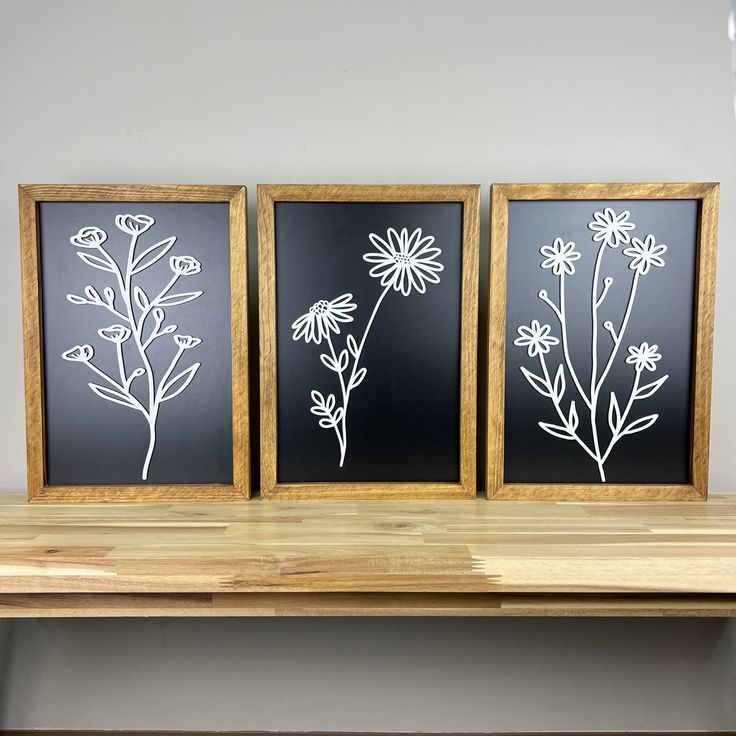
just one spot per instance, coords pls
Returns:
(269, 198)
(705, 239)
(32, 197)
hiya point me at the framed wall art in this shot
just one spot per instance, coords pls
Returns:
(134, 307)
(368, 320)
(600, 341)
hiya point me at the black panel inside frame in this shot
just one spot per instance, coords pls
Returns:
(661, 315)
(91, 440)
(402, 422)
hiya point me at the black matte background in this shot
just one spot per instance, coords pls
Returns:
(93, 441)
(403, 420)
(662, 314)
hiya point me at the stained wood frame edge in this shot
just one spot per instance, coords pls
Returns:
(30, 196)
(267, 196)
(707, 193)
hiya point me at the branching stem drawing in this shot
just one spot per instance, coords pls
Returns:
(403, 262)
(134, 312)
(610, 230)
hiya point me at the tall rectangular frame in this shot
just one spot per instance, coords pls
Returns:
(268, 196)
(30, 196)
(697, 489)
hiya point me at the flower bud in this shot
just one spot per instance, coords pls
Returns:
(134, 224)
(186, 341)
(115, 333)
(185, 265)
(79, 354)
(89, 237)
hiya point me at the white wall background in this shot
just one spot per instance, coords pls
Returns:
(226, 91)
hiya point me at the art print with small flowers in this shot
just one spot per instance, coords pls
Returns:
(137, 345)
(599, 326)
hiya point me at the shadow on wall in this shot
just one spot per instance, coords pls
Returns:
(450, 674)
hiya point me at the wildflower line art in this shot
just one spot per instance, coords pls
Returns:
(133, 306)
(403, 262)
(610, 230)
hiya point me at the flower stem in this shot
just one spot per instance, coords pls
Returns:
(594, 386)
(617, 435)
(341, 436)
(565, 345)
(356, 363)
(558, 408)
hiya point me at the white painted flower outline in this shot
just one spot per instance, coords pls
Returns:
(403, 262)
(609, 230)
(133, 306)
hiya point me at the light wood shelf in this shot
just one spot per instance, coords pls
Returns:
(371, 558)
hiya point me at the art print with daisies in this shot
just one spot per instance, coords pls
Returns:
(404, 263)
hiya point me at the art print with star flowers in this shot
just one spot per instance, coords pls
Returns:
(137, 343)
(369, 326)
(601, 340)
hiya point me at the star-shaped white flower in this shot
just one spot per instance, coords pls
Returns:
(535, 338)
(645, 254)
(560, 257)
(610, 228)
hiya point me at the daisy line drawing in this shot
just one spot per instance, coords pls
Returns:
(141, 321)
(403, 262)
(610, 230)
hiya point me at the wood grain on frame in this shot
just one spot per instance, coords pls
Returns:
(268, 195)
(697, 489)
(30, 195)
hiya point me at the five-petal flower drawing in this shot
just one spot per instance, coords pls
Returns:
(142, 319)
(403, 262)
(610, 229)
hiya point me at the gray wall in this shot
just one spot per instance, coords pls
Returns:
(357, 91)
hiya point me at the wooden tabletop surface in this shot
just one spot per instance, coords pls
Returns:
(395, 547)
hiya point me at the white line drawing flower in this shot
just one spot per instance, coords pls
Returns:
(610, 228)
(185, 265)
(142, 319)
(79, 354)
(645, 254)
(115, 333)
(134, 224)
(404, 261)
(185, 342)
(322, 317)
(644, 357)
(89, 237)
(536, 338)
(560, 257)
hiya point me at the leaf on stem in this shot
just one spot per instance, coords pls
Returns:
(329, 362)
(140, 298)
(557, 430)
(358, 378)
(111, 394)
(342, 361)
(352, 346)
(537, 382)
(174, 299)
(92, 293)
(152, 254)
(640, 424)
(103, 264)
(644, 392)
(572, 417)
(318, 398)
(558, 388)
(614, 413)
(74, 299)
(170, 390)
